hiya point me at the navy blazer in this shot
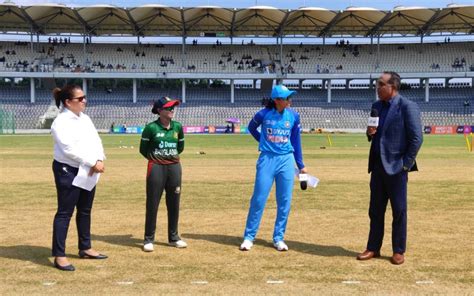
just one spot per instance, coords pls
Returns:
(401, 136)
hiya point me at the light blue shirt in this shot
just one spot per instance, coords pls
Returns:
(280, 132)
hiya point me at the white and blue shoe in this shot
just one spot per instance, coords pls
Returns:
(246, 245)
(280, 246)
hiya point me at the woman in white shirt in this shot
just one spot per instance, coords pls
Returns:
(77, 146)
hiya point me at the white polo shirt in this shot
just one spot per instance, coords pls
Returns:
(76, 140)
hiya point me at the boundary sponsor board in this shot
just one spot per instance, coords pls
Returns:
(193, 129)
(135, 129)
(464, 129)
(448, 130)
(443, 130)
(211, 129)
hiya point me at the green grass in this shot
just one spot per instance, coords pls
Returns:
(328, 225)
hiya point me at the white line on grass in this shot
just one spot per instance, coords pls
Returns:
(351, 282)
(428, 282)
(125, 283)
(274, 282)
(199, 282)
(49, 283)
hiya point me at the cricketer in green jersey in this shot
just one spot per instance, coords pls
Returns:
(161, 143)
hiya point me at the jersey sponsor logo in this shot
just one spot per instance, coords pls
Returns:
(278, 132)
(164, 144)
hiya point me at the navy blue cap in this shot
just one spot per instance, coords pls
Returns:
(163, 102)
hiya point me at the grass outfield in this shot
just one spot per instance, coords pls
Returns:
(327, 227)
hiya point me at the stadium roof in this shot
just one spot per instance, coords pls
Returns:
(263, 21)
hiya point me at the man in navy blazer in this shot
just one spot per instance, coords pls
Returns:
(395, 144)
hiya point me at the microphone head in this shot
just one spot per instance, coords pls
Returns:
(303, 181)
(374, 118)
(374, 113)
(303, 185)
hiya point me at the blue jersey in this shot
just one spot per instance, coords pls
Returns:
(280, 132)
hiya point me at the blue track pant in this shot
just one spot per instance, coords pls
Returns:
(271, 167)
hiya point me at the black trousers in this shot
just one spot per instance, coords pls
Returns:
(70, 197)
(159, 178)
(384, 187)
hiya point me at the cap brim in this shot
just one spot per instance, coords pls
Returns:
(171, 104)
(286, 94)
(292, 92)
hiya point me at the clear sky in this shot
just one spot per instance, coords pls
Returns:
(329, 4)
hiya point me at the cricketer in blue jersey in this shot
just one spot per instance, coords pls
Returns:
(280, 147)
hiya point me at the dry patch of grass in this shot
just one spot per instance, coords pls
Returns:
(327, 226)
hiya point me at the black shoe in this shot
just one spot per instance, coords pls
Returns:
(69, 267)
(84, 255)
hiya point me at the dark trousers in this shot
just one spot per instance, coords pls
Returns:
(159, 178)
(70, 197)
(384, 187)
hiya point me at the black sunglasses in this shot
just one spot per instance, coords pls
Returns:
(169, 109)
(80, 99)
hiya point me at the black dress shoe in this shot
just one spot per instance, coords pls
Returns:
(69, 267)
(84, 255)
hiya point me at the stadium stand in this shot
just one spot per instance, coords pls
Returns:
(317, 69)
(305, 59)
(348, 109)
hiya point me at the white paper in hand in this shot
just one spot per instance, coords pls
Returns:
(311, 180)
(83, 180)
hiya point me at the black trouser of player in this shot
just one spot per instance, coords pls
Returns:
(70, 197)
(159, 178)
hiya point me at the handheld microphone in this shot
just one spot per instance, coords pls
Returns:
(303, 178)
(374, 118)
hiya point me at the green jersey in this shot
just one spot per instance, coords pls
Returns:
(162, 145)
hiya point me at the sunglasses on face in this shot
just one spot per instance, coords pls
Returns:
(80, 99)
(170, 109)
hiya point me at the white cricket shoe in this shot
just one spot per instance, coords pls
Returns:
(281, 246)
(179, 244)
(246, 245)
(148, 247)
